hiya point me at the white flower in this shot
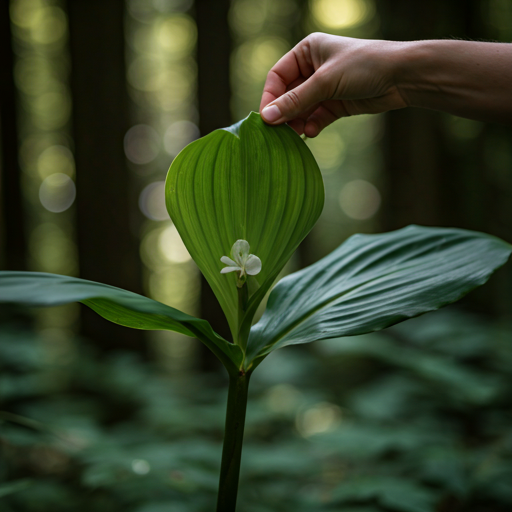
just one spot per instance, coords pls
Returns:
(241, 261)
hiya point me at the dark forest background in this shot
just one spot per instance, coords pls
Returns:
(96, 99)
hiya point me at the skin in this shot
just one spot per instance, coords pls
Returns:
(327, 77)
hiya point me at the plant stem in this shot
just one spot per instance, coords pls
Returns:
(243, 297)
(233, 439)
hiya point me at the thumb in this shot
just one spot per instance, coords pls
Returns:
(295, 102)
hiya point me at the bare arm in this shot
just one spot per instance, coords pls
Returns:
(327, 77)
(466, 78)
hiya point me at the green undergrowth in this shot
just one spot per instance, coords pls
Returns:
(415, 419)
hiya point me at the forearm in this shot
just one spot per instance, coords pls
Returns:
(465, 78)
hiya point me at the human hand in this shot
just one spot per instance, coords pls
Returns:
(326, 77)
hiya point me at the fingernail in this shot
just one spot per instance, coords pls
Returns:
(271, 113)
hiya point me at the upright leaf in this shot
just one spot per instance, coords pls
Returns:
(251, 182)
(122, 307)
(373, 281)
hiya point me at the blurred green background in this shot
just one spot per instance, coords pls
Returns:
(96, 99)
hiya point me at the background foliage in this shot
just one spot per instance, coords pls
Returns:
(414, 419)
(96, 100)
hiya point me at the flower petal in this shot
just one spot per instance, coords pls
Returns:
(253, 265)
(240, 251)
(225, 270)
(228, 261)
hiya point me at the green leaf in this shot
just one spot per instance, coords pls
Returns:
(119, 306)
(396, 494)
(455, 379)
(373, 281)
(11, 487)
(251, 182)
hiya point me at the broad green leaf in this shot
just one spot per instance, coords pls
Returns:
(373, 281)
(251, 182)
(119, 306)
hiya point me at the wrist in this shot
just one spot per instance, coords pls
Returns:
(412, 71)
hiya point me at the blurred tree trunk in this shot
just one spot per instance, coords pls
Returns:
(214, 94)
(13, 246)
(413, 153)
(107, 247)
(305, 254)
(435, 174)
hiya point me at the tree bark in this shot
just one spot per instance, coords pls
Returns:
(107, 246)
(13, 244)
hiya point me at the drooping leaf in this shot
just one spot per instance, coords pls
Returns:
(122, 307)
(248, 182)
(373, 281)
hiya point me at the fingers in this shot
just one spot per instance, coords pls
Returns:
(285, 72)
(295, 102)
(298, 125)
(323, 116)
(291, 69)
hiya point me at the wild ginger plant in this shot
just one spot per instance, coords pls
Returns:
(242, 199)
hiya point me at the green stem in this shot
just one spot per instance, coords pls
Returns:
(233, 439)
(243, 298)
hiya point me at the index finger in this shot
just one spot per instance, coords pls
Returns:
(287, 69)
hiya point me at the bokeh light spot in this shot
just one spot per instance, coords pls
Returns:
(359, 199)
(177, 35)
(322, 417)
(50, 27)
(57, 192)
(141, 144)
(283, 398)
(140, 467)
(172, 247)
(254, 58)
(178, 135)
(52, 250)
(56, 159)
(32, 75)
(152, 201)
(247, 17)
(26, 13)
(329, 150)
(336, 14)
(145, 73)
(175, 286)
(52, 109)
